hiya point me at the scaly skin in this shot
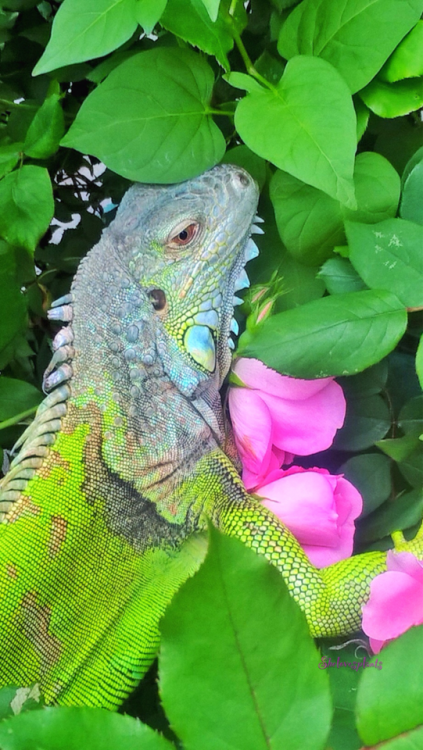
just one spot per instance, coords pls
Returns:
(127, 458)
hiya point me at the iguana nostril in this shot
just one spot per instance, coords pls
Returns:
(243, 178)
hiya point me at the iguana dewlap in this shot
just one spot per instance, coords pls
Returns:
(125, 458)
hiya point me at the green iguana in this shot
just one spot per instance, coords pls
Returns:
(127, 455)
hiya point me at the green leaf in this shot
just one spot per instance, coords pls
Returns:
(189, 20)
(344, 32)
(46, 130)
(238, 667)
(367, 383)
(393, 99)
(407, 60)
(367, 420)
(416, 157)
(17, 397)
(212, 7)
(387, 255)
(398, 448)
(310, 222)
(26, 198)
(305, 125)
(9, 156)
(411, 467)
(77, 729)
(12, 301)
(85, 29)
(419, 361)
(370, 473)
(403, 512)
(149, 12)
(243, 81)
(411, 207)
(338, 335)
(383, 711)
(149, 120)
(340, 277)
(377, 189)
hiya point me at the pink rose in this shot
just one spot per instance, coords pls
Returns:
(396, 600)
(317, 507)
(275, 416)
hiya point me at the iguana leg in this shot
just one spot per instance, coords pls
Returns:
(332, 597)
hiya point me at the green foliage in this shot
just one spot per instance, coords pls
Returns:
(84, 29)
(302, 131)
(382, 712)
(163, 132)
(269, 88)
(209, 647)
(340, 32)
(387, 255)
(77, 729)
(337, 335)
(27, 206)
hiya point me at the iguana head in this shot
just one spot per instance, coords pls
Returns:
(186, 245)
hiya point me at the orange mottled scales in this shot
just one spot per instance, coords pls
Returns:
(105, 506)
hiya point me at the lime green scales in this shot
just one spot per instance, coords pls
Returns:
(126, 456)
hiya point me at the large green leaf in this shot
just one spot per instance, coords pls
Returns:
(238, 668)
(338, 335)
(190, 20)
(310, 222)
(393, 99)
(77, 729)
(305, 125)
(85, 29)
(356, 36)
(149, 120)
(383, 710)
(27, 206)
(388, 255)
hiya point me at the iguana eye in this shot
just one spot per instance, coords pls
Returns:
(183, 235)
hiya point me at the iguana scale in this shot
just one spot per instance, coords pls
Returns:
(127, 455)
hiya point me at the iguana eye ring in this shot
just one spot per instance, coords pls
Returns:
(158, 299)
(183, 235)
